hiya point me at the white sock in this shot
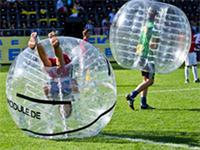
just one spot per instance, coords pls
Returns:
(194, 71)
(186, 72)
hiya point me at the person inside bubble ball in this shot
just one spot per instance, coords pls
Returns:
(58, 68)
(147, 43)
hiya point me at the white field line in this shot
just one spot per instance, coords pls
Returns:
(139, 140)
(173, 90)
(159, 143)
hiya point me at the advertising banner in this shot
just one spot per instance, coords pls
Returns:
(10, 47)
(102, 43)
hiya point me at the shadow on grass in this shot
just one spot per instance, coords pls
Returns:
(4, 68)
(178, 109)
(116, 66)
(163, 137)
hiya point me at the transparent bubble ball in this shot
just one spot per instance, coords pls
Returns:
(77, 104)
(150, 36)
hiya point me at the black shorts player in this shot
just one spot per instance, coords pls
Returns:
(148, 75)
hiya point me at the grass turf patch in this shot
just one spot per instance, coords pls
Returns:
(176, 118)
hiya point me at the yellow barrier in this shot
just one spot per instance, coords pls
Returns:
(10, 47)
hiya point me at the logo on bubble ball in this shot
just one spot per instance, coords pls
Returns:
(24, 110)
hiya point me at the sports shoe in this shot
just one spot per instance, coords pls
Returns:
(197, 81)
(130, 101)
(146, 107)
(187, 81)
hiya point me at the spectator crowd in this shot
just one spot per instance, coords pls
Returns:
(21, 17)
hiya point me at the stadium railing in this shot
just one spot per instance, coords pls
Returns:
(27, 32)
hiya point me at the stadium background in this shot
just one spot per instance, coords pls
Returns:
(174, 124)
(18, 18)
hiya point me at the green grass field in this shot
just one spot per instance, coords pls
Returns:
(174, 124)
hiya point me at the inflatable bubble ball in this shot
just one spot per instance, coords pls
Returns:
(76, 100)
(150, 36)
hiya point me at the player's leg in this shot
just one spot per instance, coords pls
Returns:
(33, 40)
(195, 74)
(51, 90)
(194, 67)
(187, 68)
(33, 43)
(186, 71)
(66, 89)
(130, 97)
(145, 84)
(54, 89)
(142, 87)
(43, 56)
(58, 51)
(74, 86)
(66, 110)
(46, 90)
(144, 92)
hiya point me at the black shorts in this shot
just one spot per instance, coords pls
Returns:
(148, 75)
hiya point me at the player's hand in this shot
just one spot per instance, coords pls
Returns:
(53, 40)
(33, 40)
